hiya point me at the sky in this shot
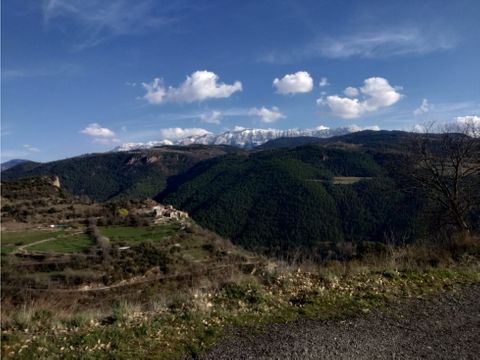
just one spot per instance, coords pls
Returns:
(83, 76)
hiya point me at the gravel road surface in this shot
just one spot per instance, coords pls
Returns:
(443, 327)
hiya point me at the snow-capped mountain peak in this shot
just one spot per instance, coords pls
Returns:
(245, 138)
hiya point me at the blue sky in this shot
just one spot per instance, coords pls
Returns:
(82, 76)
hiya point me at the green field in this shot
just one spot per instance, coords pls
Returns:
(69, 244)
(124, 235)
(348, 180)
(11, 240)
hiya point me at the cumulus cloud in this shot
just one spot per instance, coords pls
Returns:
(470, 124)
(300, 82)
(424, 107)
(199, 86)
(323, 82)
(345, 108)
(351, 91)
(377, 93)
(420, 128)
(213, 117)
(468, 120)
(179, 133)
(266, 115)
(95, 130)
(156, 91)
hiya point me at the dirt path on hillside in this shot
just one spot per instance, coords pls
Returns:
(444, 327)
(23, 247)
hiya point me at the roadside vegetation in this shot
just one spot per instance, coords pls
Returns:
(188, 310)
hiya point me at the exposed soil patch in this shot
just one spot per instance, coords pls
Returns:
(442, 327)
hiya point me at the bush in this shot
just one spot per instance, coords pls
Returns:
(122, 212)
(371, 248)
(246, 291)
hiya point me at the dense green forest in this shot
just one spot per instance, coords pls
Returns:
(119, 175)
(288, 198)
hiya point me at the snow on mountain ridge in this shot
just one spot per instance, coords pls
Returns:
(245, 138)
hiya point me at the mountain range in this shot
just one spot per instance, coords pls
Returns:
(11, 163)
(245, 138)
(289, 193)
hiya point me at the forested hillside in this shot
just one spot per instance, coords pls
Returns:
(120, 175)
(310, 196)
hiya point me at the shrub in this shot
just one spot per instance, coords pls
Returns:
(245, 291)
(122, 212)
(369, 248)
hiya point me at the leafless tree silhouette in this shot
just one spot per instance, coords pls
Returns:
(445, 162)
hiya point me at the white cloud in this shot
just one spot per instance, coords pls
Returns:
(54, 69)
(384, 43)
(266, 115)
(419, 128)
(323, 82)
(100, 20)
(380, 43)
(322, 127)
(179, 133)
(345, 108)
(31, 148)
(468, 120)
(156, 92)
(199, 86)
(95, 130)
(238, 128)
(351, 91)
(470, 124)
(300, 82)
(424, 107)
(214, 117)
(377, 93)
(100, 135)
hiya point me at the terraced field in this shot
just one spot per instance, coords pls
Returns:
(12, 240)
(127, 236)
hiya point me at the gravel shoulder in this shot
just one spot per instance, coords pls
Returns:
(446, 326)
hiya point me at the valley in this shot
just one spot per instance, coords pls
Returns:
(164, 251)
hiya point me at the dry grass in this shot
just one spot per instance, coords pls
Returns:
(181, 318)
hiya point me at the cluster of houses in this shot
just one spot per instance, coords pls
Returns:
(166, 213)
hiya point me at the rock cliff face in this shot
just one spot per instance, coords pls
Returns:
(56, 181)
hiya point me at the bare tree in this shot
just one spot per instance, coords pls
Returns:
(445, 162)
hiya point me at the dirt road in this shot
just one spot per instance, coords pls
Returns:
(443, 327)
